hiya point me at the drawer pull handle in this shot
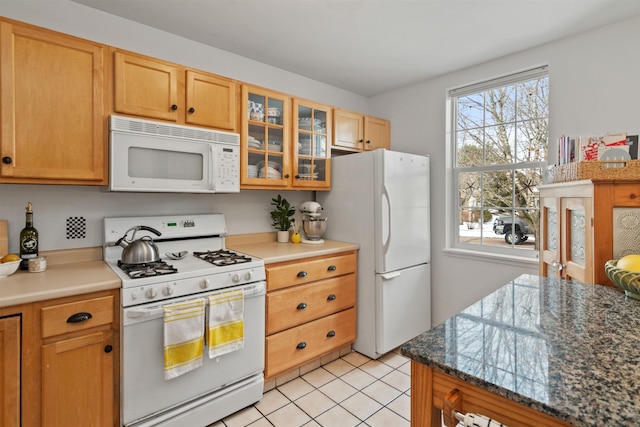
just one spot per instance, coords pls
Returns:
(332, 268)
(301, 345)
(108, 349)
(331, 334)
(331, 297)
(301, 306)
(79, 317)
(302, 274)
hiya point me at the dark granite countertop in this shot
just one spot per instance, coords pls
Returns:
(568, 349)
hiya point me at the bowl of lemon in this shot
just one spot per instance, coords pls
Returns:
(9, 264)
(625, 273)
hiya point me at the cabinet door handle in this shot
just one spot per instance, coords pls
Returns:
(287, 176)
(361, 141)
(331, 297)
(79, 317)
(108, 349)
(368, 142)
(174, 107)
(7, 160)
(297, 177)
(301, 306)
(302, 274)
(192, 110)
(301, 345)
(332, 268)
(331, 334)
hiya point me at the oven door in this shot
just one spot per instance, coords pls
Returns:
(145, 392)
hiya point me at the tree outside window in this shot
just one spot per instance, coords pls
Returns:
(500, 143)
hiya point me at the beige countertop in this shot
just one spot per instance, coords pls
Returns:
(264, 245)
(69, 272)
(79, 271)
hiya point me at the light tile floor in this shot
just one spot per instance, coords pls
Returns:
(348, 392)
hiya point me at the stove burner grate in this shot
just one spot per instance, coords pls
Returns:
(222, 257)
(147, 269)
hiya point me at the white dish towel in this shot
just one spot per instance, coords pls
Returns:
(226, 323)
(183, 337)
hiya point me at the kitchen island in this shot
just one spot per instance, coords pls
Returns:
(536, 352)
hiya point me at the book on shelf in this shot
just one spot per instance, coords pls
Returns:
(608, 147)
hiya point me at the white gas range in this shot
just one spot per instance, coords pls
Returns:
(194, 263)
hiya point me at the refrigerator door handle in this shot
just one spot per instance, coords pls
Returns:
(389, 276)
(386, 228)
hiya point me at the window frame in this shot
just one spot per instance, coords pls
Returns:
(453, 207)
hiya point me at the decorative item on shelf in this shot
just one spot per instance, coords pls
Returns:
(282, 217)
(295, 236)
(610, 156)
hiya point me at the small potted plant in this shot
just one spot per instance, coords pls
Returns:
(282, 217)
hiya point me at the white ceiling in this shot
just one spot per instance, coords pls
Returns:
(371, 46)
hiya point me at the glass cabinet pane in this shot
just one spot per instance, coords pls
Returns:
(577, 236)
(256, 107)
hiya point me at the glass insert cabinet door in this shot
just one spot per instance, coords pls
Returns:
(265, 138)
(311, 145)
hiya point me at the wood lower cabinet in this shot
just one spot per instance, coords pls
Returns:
(356, 132)
(10, 367)
(51, 107)
(310, 309)
(79, 353)
(586, 223)
(155, 89)
(59, 362)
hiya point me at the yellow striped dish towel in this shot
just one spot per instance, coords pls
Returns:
(183, 337)
(226, 323)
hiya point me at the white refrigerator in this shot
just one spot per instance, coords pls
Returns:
(380, 200)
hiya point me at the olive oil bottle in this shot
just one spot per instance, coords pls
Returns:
(28, 240)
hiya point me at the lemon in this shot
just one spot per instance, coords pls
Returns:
(629, 263)
(295, 238)
(10, 258)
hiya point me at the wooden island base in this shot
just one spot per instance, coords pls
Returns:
(429, 391)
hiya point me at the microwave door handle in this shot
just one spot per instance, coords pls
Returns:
(212, 167)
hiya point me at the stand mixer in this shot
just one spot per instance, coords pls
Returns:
(312, 225)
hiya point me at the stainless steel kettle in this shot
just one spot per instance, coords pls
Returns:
(139, 251)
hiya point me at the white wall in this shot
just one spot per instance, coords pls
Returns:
(594, 88)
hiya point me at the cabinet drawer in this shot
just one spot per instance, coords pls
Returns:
(300, 304)
(297, 272)
(293, 347)
(626, 195)
(76, 316)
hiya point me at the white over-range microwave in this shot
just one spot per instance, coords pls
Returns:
(151, 156)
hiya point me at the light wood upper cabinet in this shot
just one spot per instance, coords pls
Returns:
(312, 124)
(156, 89)
(377, 133)
(10, 352)
(265, 139)
(356, 132)
(52, 104)
(145, 87)
(348, 131)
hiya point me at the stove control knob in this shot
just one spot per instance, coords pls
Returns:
(235, 278)
(204, 284)
(248, 275)
(151, 293)
(167, 291)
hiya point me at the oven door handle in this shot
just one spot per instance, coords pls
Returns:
(141, 313)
